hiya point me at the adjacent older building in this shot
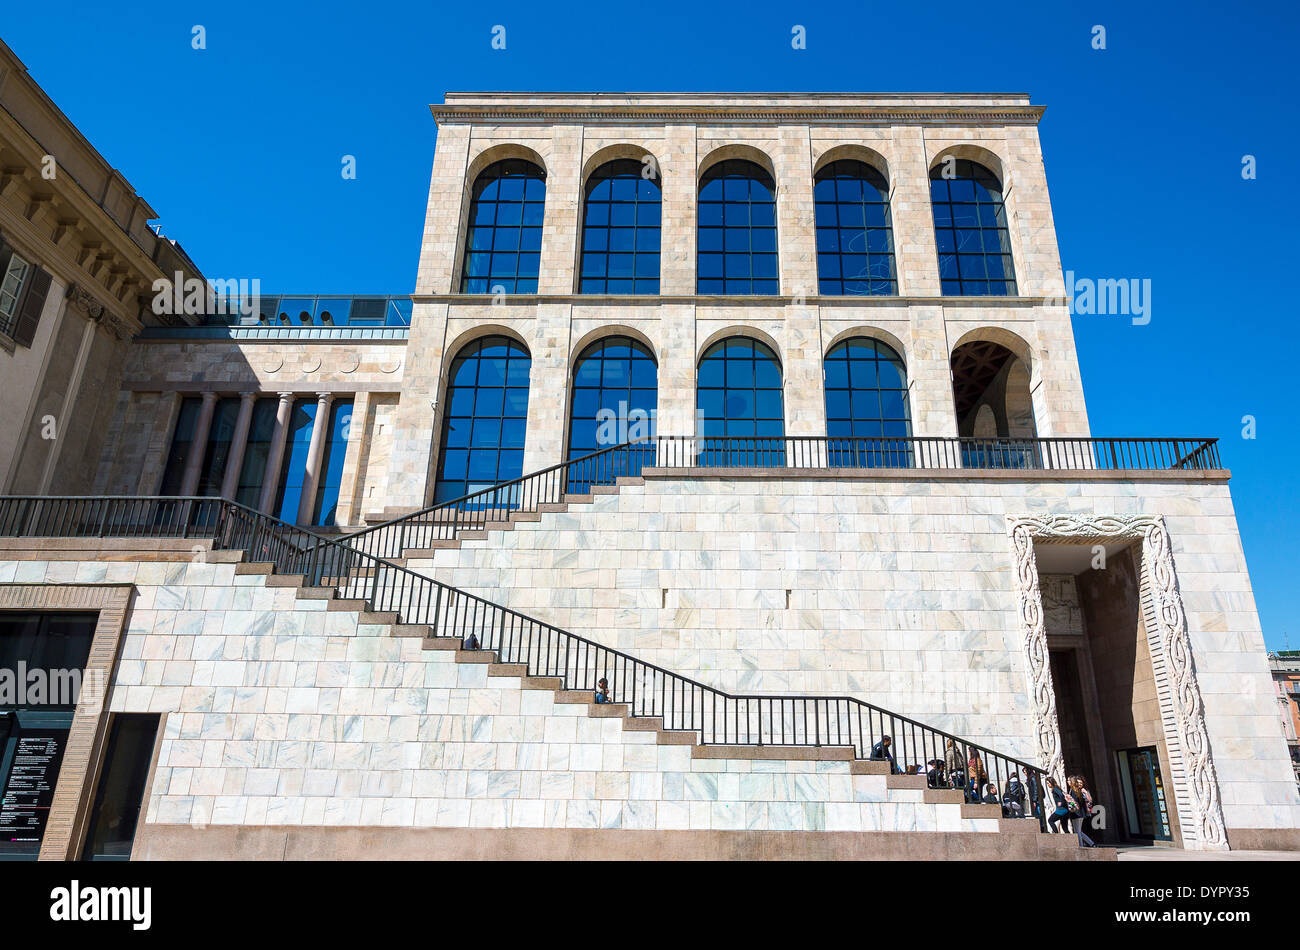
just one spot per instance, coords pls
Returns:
(722, 437)
(1285, 665)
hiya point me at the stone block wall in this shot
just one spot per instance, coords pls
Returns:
(898, 591)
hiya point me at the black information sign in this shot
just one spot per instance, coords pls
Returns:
(29, 786)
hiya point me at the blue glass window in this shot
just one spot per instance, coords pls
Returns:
(485, 415)
(187, 420)
(294, 466)
(620, 231)
(737, 230)
(738, 397)
(855, 241)
(504, 243)
(615, 397)
(261, 434)
(867, 421)
(970, 230)
(336, 450)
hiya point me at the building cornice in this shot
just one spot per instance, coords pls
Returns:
(828, 114)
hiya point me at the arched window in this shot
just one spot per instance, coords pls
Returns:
(867, 422)
(503, 247)
(738, 404)
(995, 411)
(485, 414)
(615, 396)
(970, 229)
(620, 232)
(855, 242)
(737, 230)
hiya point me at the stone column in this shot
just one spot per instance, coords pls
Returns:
(275, 459)
(315, 453)
(199, 445)
(238, 445)
(358, 449)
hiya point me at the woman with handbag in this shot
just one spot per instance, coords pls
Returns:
(1083, 799)
(1060, 818)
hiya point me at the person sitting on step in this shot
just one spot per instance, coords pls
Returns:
(1013, 800)
(881, 752)
(602, 691)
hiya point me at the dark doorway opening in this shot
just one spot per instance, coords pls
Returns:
(116, 811)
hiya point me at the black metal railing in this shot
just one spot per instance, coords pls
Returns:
(531, 493)
(682, 704)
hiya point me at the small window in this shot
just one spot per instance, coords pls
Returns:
(16, 270)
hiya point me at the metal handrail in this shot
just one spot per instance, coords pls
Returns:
(648, 690)
(442, 521)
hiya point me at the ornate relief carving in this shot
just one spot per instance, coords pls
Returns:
(1157, 558)
(96, 312)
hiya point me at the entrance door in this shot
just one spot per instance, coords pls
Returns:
(1076, 750)
(1145, 808)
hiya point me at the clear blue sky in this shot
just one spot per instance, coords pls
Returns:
(238, 147)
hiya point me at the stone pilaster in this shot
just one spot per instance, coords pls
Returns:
(916, 259)
(548, 385)
(358, 436)
(805, 400)
(417, 420)
(448, 191)
(677, 168)
(929, 376)
(560, 224)
(796, 232)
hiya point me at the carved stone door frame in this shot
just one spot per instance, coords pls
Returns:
(1193, 778)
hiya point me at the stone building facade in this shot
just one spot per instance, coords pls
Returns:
(971, 559)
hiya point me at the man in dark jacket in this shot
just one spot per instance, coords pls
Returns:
(881, 752)
(1013, 799)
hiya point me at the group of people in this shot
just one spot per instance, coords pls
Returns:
(1071, 805)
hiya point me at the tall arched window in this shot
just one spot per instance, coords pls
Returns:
(620, 232)
(615, 396)
(737, 230)
(503, 247)
(855, 242)
(738, 404)
(867, 421)
(485, 417)
(970, 229)
(995, 409)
